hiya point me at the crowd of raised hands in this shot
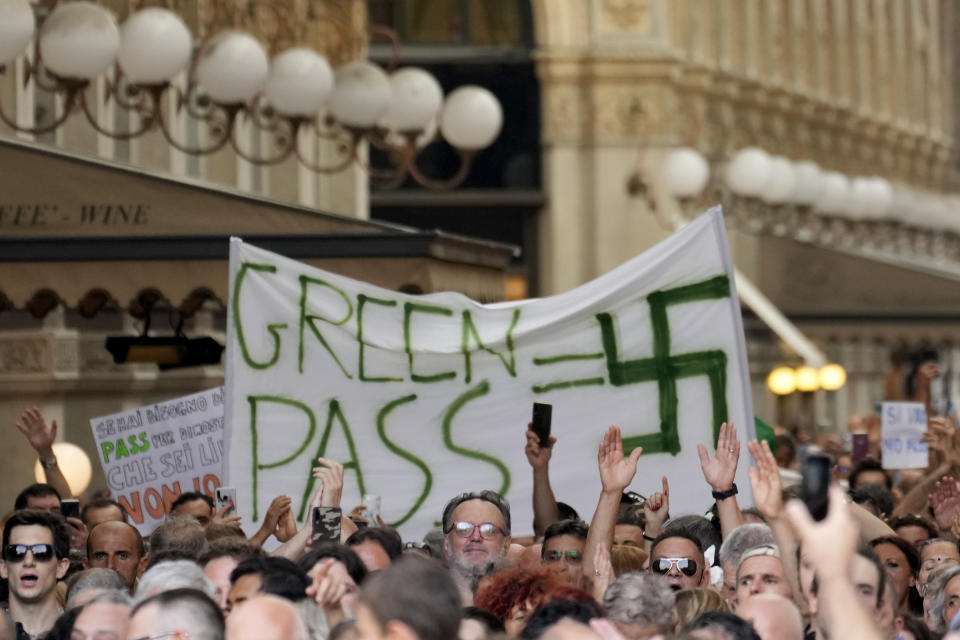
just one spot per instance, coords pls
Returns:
(883, 564)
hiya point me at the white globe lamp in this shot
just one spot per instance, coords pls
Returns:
(808, 184)
(834, 194)
(471, 118)
(782, 182)
(361, 95)
(748, 172)
(17, 26)
(685, 172)
(232, 67)
(417, 98)
(155, 45)
(300, 81)
(79, 40)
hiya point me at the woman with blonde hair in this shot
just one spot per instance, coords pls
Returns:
(692, 602)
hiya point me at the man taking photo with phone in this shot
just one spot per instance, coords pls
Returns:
(36, 545)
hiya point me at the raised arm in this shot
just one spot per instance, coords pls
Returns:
(41, 437)
(835, 539)
(545, 510)
(719, 472)
(616, 473)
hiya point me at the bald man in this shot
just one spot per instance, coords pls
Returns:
(118, 546)
(266, 617)
(773, 616)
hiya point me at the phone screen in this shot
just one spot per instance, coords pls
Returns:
(326, 524)
(70, 508)
(226, 497)
(542, 417)
(814, 486)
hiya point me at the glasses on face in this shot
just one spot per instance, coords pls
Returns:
(165, 634)
(686, 566)
(465, 529)
(555, 555)
(17, 552)
(76, 634)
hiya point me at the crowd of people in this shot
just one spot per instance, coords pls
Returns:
(883, 564)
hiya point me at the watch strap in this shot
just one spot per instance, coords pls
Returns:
(723, 495)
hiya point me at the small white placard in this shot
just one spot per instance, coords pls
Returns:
(904, 424)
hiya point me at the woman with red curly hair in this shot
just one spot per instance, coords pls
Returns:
(513, 594)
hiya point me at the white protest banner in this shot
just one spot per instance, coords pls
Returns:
(424, 397)
(904, 424)
(152, 454)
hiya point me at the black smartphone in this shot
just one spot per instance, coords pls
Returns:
(226, 497)
(542, 416)
(70, 508)
(326, 524)
(814, 486)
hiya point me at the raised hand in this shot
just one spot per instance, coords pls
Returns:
(287, 527)
(765, 481)
(40, 435)
(221, 517)
(537, 456)
(720, 471)
(602, 572)
(835, 537)
(945, 501)
(656, 509)
(330, 472)
(616, 470)
(941, 435)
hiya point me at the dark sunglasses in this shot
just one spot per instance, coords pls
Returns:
(465, 529)
(17, 552)
(554, 555)
(686, 566)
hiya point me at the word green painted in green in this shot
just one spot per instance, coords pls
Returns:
(406, 455)
(665, 369)
(470, 331)
(238, 326)
(362, 300)
(310, 320)
(409, 309)
(119, 447)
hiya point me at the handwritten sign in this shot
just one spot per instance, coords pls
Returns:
(424, 397)
(903, 426)
(152, 454)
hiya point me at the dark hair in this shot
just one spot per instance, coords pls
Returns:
(914, 600)
(38, 517)
(874, 495)
(239, 549)
(190, 496)
(387, 537)
(729, 625)
(341, 629)
(575, 528)
(486, 495)
(337, 551)
(914, 520)
(865, 551)
(556, 610)
(36, 490)
(753, 511)
(101, 503)
(868, 464)
(785, 443)
(490, 622)
(188, 606)
(278, 576)
(633, 517)
(141, 548)
(918, 628)
(677, 533)
(566, 512)
(705, 531)
(418, 592)
(62, 628)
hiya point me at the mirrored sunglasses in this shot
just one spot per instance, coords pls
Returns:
(17, 552)
(686, 566)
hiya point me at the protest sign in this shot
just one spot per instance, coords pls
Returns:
(904, 424)
(152, 454)
(424, 397)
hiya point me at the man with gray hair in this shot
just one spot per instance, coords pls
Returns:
(740, 540)
(266, 617)
(173, 575)
(641, 605)
(106, 616)
(84, 586)
(186, 613)
(476, 528)
(177, 538)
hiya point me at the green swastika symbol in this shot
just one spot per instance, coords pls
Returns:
(666, 369)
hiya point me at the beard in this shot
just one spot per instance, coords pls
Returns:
(472, 573)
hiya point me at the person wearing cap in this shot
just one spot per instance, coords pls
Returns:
(761, 571)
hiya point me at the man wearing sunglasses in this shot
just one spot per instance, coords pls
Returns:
(676, 555)
(476, 528)
(36, 547)
(562, 550)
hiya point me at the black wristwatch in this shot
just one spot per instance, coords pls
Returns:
(723, 495)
